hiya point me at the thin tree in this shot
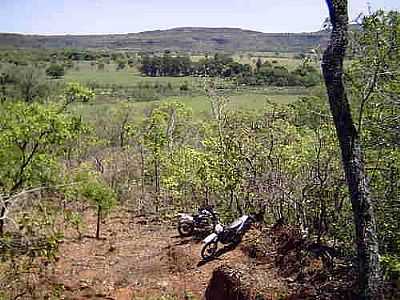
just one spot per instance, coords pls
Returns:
(352, 154)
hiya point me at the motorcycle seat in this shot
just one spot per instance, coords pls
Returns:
(237, 223)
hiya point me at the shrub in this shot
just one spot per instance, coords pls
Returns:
(55, 71)
(184, 86)
(121, 65)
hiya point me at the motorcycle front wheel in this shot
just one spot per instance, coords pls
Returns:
(209, 250)
(185, 229)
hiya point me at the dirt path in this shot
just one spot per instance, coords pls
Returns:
(139, 261)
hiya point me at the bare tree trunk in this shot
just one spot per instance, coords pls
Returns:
(123, 131)
(3, 212)
(3, 90)
(142, 174)
(157, 182)
(352, 156)
(207, 200)
(98, 222)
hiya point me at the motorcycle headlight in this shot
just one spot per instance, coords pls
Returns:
(219, 228)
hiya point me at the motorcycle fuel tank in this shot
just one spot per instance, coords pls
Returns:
(185, 217)
(210, 238)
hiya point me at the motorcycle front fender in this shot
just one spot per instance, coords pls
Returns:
(210, 238)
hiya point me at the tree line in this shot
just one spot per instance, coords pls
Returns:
(224, 66)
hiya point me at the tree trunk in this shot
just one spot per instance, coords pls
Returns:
(3, 92)
(352, 156)
(3, 211)
(142, 179)
(207, 200)
(157, 175)
(98, 222)
(123, 131)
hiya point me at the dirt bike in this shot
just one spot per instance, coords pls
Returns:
(204, 220)
(228, 235)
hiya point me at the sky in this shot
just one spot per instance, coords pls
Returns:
(124, 16)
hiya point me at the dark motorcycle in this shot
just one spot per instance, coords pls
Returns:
(228, 235)
(205, 220)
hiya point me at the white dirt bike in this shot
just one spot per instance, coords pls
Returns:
(228, 235)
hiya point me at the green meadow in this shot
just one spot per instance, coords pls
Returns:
(239, 97)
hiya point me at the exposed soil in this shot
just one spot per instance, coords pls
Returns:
(139, 259)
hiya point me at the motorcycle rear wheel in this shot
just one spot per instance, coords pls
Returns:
(185, 229)
(209, 250)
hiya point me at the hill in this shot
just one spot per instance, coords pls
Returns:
(185, 39)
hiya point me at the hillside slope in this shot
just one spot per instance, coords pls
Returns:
(187, 39)
(143, 260)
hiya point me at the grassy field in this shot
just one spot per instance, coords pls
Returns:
(200, 105)
(128, 77)
(244, 98)
(85, 73)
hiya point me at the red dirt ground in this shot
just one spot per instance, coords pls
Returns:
(136, 260)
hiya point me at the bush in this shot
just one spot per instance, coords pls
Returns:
(391, 267)
(100, 66)
(121, 65)
(69, 64)
(55, 71)
(184, 86)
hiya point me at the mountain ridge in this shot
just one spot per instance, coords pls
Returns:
(180, 39)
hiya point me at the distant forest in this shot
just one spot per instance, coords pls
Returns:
(224, 66)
